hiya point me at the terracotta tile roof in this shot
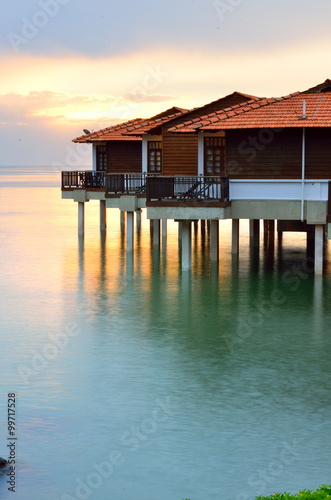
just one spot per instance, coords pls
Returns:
(114, 133)
(285, 112)
(156, 121)
(132, 129)
(267, 113)
(209, 108)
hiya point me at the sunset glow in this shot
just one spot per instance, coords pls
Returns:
(55, 88)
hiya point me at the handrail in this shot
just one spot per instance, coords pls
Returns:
(126, 183)
(83, 179)
(191, 188)
(153, 186)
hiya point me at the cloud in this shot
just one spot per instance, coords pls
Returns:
(120, 27)
(142, 97)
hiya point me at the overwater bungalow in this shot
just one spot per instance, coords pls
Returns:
(241, 157)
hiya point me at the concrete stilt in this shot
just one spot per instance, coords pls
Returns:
(164, 229)
(254, 232)
(138, 220)
(203, 229)
(214, 240)
(156, 232)
(129, 231)
(122, 218)
(81, 218)
(265, 231)
(271, 231)
(186, 245)
(235, 236)
(103, 215)
(319, 248)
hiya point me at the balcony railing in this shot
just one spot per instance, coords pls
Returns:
(86, 179)
(154, 187)
(184, 189)
(126, 183)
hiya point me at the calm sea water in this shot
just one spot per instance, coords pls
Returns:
(135, 381)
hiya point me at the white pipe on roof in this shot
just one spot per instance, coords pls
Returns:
(303, 163)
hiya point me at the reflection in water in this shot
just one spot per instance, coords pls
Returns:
(237, 352)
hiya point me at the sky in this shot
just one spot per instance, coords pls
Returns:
(69, 65)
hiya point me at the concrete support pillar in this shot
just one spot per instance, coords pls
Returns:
(235, 236)
(319, 248)
(138, 220)
(103, 215)
(122, 218)
(156, 232)
(254, 232)
(269, 231)
(214, 240)
(81, 218)
(129, 231)
(186, 245)
(164, 229)
(203, 229)
(265, 231)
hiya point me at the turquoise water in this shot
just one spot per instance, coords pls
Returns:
(135, 381)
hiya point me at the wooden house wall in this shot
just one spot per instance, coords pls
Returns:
(268, 154)
(124, 156)
(318, 153)
(256, 154)
(180, 154)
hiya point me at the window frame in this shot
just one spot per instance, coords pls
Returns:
(154, 149)
(101, 158)
(211, 145)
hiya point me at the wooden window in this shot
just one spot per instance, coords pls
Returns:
(101, 159)
(214, 155)
(154, 157)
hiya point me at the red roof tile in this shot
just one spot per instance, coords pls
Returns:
(284, 113)
(268, 113)
(131, 130)
(114, 133)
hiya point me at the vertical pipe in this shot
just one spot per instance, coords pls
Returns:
(303, 167)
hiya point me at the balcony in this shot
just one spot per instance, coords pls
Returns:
(85, 179)
(174, 191)
(112, 184)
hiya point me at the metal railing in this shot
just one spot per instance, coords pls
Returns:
(126, 183)
(154, 187)
(85, 179)
(187, 188)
